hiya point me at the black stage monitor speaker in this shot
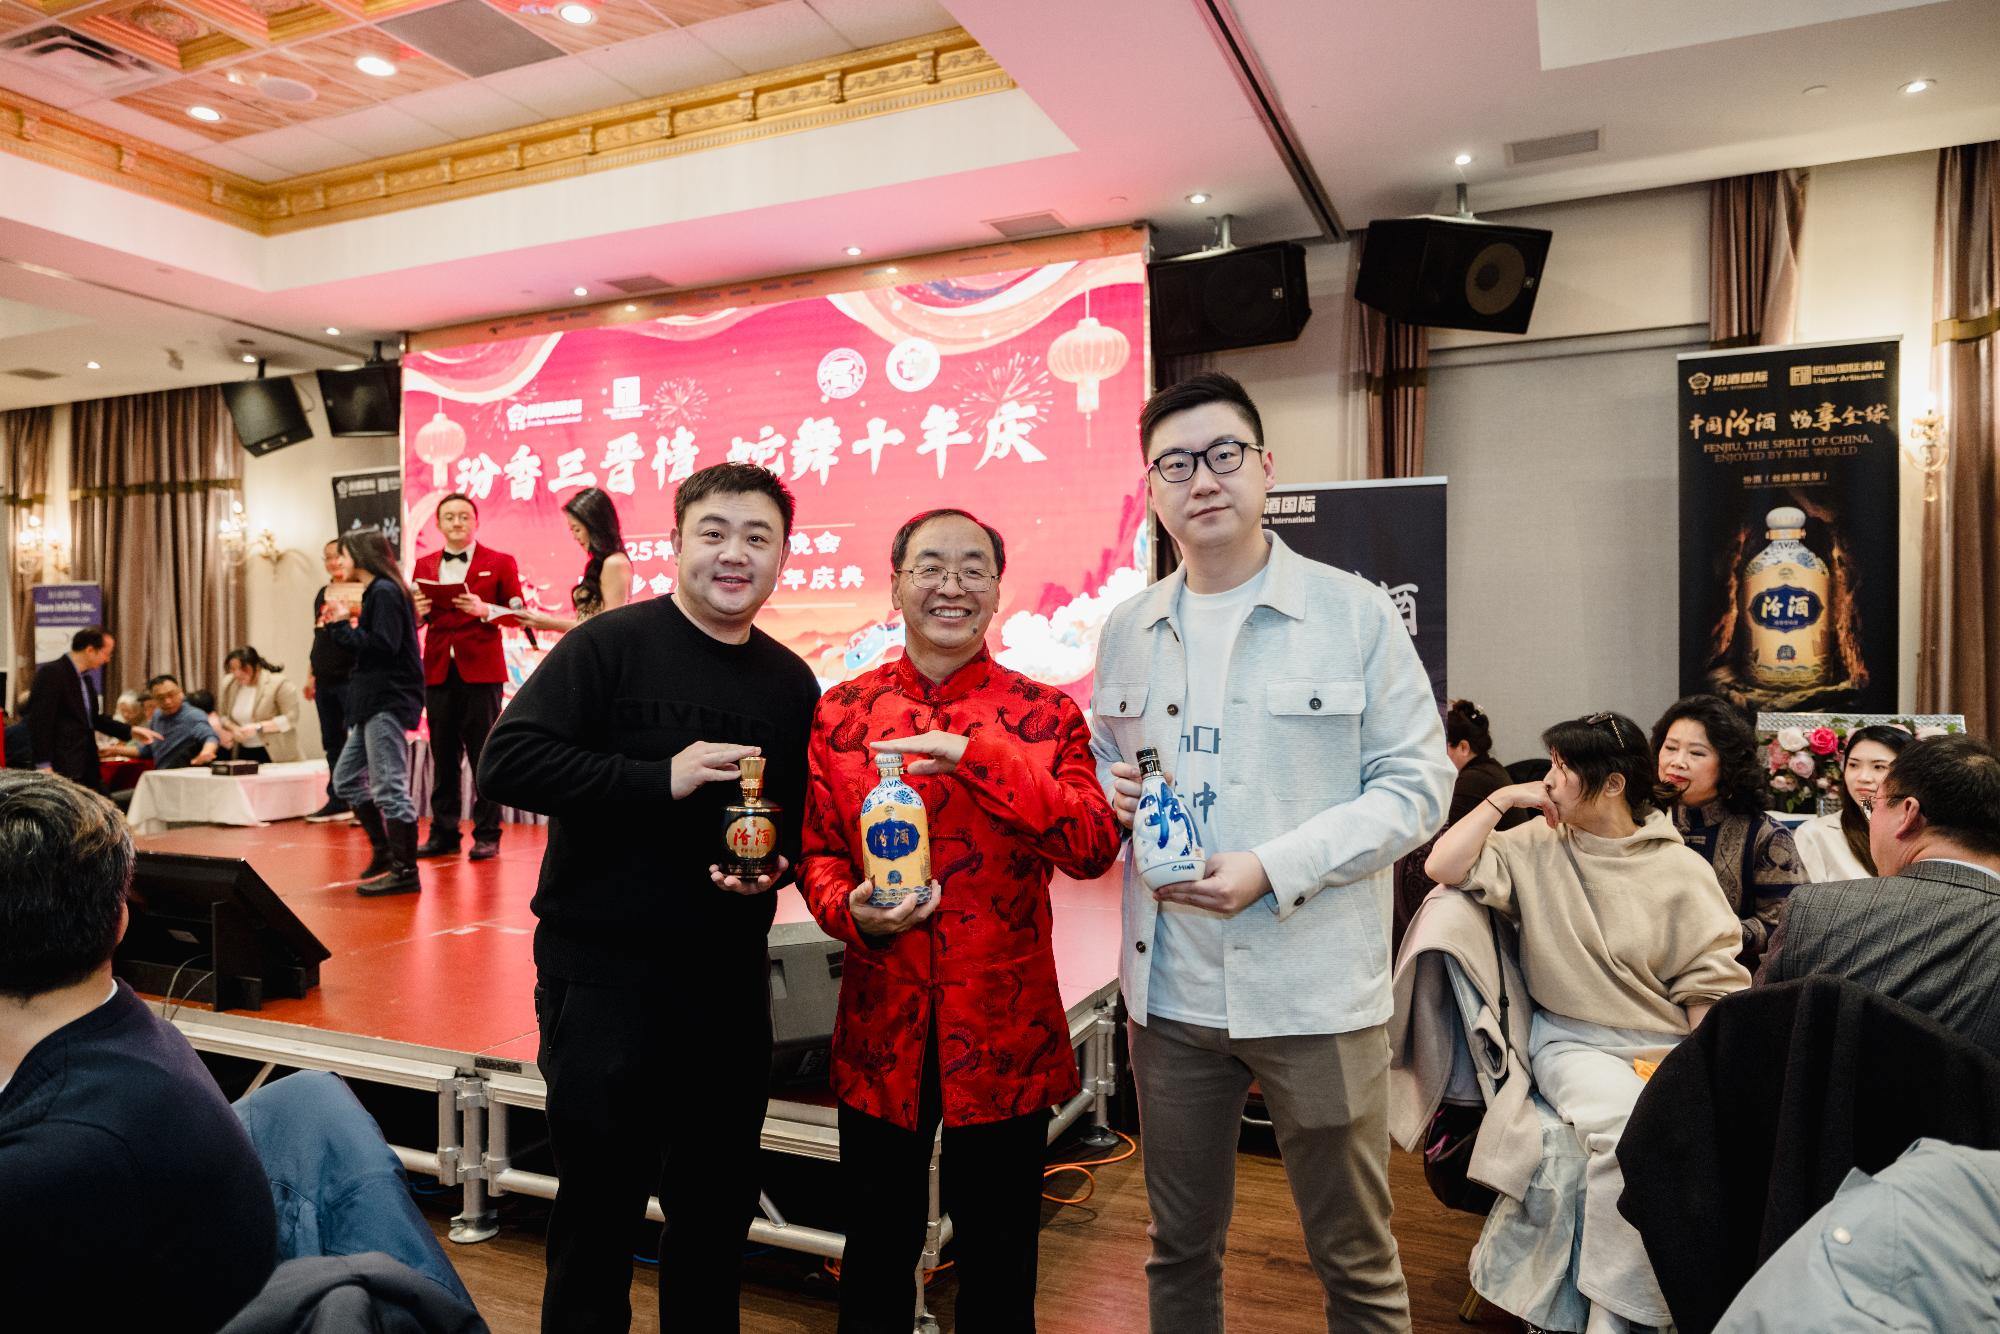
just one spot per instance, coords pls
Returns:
(1239, 298)
(267, 414)
(364, 401)
(1453, 273)
(805, 992)
(209, 929)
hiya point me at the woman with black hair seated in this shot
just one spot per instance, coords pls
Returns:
(607, 575)
(1468, 738)
(1835, 846)
(1708, 756)
(1625, 942)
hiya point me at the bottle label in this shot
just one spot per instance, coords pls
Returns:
(751, 838)
(896, 849)
(1786, 608)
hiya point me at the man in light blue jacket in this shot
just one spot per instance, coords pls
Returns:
(1309, 746)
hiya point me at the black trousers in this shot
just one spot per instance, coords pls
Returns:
(462, 714)
(330, 698)
(650, 1092)
(991, 1180)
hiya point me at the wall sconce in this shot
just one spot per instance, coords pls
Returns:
(238, 540)
(1927, 434)
(36, 554)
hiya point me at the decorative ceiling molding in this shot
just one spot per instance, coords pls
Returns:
(920, 71)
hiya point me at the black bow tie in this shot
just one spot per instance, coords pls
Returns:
(457, 555)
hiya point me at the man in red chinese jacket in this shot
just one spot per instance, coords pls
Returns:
(949, 1009)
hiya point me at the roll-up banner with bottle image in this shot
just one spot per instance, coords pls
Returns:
(1789, 530)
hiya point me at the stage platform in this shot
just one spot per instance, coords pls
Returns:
(435, 992)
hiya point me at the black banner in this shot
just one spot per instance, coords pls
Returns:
(1391, 533)
(372, 498)
(1789, 526)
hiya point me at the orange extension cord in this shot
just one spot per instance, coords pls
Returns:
(833, 1266)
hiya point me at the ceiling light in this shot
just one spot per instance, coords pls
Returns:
(1462, 160)
(631, 309)
(576, 13)
(854, 252)
(349, 366)
(1918, 86)
(375, 65)
(1198, 197)
(207, 115)
(890, 269)
(92, 366)
(579, 291)
(249, 360)
(1815, 90)
(332, 332)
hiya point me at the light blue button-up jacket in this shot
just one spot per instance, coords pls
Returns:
(1336, 767)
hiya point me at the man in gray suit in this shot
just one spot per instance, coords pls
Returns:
(1927, 931)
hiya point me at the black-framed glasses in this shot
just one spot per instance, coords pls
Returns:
(931, 578)
(1223, 457)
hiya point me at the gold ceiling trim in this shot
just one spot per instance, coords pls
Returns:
(920, 71)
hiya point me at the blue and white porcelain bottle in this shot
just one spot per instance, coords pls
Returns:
(1164, 842)
(895, 836)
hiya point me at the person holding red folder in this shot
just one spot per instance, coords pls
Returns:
(464, 668)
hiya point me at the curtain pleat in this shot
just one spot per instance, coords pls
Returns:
(1753, 257)
(28, 432)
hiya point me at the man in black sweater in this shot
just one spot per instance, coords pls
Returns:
(652, 966)
(129, 1191)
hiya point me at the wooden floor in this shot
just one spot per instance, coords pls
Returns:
(1092, 1280)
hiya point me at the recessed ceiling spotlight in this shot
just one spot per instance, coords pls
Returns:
(349, 366)
(576, 13)
(249, 360)
(375, 65)
(890, 269)
(1198, 197)
(332, 332)
(1814, 90)
(579, 291)
(1462, 160)
(854, 252)
(631, 309)
(1919, 85)
(92, 366)
(207, 115)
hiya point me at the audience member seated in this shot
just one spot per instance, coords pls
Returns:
(1908, 1248)
(132, 708)
(1835, 846)
(1469, 741)
(1708, 756)
(258, 709)
(1625, 941)
(1927, 930)
(129, 1193)
(185, 736)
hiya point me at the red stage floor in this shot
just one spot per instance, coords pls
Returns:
(452, 968)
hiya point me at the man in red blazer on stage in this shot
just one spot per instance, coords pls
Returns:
(464, 669)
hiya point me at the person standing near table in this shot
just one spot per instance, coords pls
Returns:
(465, 668)
(652, 969)
(65, 712)
(326, 681)
(259, 709)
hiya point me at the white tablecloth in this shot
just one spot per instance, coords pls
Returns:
(196, 796)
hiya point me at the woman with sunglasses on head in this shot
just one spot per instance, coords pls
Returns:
(1625, 942)
(1709, 759)
(607, 575)
(1835, 847)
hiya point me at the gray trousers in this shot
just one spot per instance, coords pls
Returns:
(1328, 1095)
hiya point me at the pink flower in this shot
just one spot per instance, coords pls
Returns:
(1777, 757)
(1823, 783)
(1823, 741)
(1803, 765)
(1784, 783)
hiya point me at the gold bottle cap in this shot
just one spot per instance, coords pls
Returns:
(751, 770)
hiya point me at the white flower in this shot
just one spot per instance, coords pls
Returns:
(1792, 738)
(1784, 783)
(1925, 731)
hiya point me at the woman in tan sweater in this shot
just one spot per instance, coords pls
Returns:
(1626, 940)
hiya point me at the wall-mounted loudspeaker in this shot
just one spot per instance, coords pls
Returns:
(1239, 298)
(1453, 273)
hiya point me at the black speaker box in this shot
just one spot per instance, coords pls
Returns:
(1453, 273)
(1240, 298)
(805, 994)
(209, 929)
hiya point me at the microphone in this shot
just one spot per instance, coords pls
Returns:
(515, 604)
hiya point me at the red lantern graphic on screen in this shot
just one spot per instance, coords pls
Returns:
(440, 442)
(1086, 356)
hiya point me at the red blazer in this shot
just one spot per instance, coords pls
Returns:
(450, 635)
(1024, 802)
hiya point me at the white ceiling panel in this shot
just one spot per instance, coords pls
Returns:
(297, 149)
(772, 37)
(231, 158)
(565, 87)
(150, 128)
(381, 131)
(874, 22)
(666, 62)
(466, 110)
(1581, 32)
(33, 83)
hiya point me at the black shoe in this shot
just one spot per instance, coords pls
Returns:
(441, 843)
(401, 877)
(369, 817)
(484, 849)
(335, 809)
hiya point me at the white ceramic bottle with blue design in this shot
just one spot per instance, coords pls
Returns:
(895, 836)
(1164, 842)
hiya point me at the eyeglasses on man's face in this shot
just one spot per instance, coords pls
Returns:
(930, 578)
(1222, 457)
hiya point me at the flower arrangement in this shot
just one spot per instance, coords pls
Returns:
(1802, 753)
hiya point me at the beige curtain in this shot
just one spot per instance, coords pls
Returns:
(1753, 257)
(153, 477)
(27, 432)
(1959, 669)
(1391, 361)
